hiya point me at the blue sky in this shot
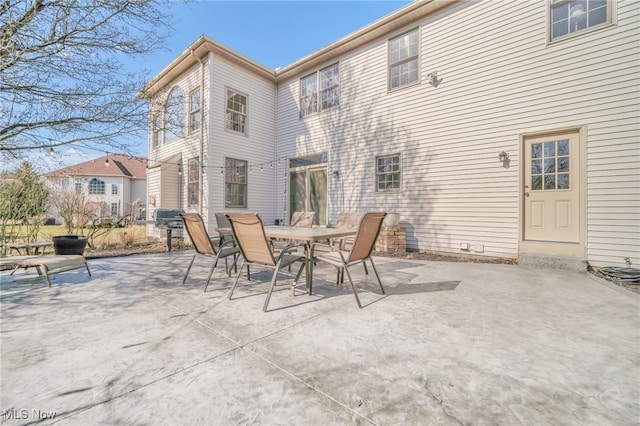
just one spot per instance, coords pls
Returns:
(273, 33)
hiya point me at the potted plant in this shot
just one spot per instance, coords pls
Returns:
(70, 205)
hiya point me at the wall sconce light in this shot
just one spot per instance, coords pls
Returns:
(336, 174)
(433, 78)
(503, 157)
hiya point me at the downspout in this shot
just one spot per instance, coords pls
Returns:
(202, 121)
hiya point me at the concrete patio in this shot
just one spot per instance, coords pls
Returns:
(450, 344)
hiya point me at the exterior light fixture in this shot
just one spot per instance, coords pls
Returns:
(503, 156)
(433, 78)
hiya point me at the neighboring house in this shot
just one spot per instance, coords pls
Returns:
(498, 128)
(115, 185)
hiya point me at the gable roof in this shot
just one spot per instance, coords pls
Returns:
(119, 165)
(385, 26)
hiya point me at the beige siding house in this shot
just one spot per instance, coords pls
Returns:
(493, 128)
(115, 184)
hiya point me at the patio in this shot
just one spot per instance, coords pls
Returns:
(451, 343)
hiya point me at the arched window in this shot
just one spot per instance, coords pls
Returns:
(174, 115)
(96, 186)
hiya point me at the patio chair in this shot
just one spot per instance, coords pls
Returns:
(363, 245)
(204, 246)
(248, 232)
(302, 218)
(223, 223)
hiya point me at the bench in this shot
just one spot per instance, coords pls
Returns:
(47, 264)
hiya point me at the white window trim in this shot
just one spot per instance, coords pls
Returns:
(418, 59)
(611, 21)
(318, 92)
(246, 184)
(189, 181)
(195, 112)
(246, 115)
(400, 171)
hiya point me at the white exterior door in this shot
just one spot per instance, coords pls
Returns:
(552, 204)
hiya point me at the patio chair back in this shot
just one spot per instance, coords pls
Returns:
(368, 231)
(248, 231)
(304, 219)
(222, 221)
(194, 225)
(348, 219)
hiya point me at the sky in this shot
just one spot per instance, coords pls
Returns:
(272, 33)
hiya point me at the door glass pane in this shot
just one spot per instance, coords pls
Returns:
(549, 149)
(550, 182)
(549, 165)
(536, 182)
(536, 167)
(563, 164)
(563, 181)
(536, 150)
(297, 192)
(563, 147)
(318, 195)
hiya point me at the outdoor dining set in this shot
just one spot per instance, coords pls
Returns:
(246, 241)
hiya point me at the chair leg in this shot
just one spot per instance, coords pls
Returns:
(353, 287)
(365, 268)
(377, 276)
(237, 278)
(189, 269)
(295, 281)
(273, 284)
(215, 263)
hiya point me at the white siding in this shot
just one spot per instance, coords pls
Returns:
(256, 147)
(500, 80)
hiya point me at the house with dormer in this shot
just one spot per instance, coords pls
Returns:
(506, 129)
(115, 186)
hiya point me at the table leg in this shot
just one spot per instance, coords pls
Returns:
(169, 239)
(309, 271)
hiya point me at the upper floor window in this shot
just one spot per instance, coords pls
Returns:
(114, 189)
(328, 80)
(195, 110)
(193, 182)
(155, 130)
(388, 173)
(403, 59)
(96, 186)
(78, 186)
(174, 115)
(114, 209)
(235, 185)
(236, 118)
(571, 16)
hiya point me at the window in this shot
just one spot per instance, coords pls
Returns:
(388, 173)
(328, 79)
(78, 187)
(114, 209)
(571, 16)
(403, 59)
(195, 110)
(155, 130)
(193, 182)
(236, 111)
(235, 188)
(114, 189)
(174, 115)
(96, 186)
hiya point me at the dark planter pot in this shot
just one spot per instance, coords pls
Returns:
(69, 244)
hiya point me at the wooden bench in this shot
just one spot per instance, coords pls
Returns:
(47, 264)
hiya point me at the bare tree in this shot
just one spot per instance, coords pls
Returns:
(62, 71)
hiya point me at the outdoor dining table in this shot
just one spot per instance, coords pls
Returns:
(30, 248)
(307, 236)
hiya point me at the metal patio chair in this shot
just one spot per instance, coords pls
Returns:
(205, 246)
(256, 249)
(363, 245)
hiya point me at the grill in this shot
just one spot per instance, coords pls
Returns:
(168, 219)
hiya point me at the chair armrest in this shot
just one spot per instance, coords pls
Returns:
(231, 241)
(329, 246)
(289, 248)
